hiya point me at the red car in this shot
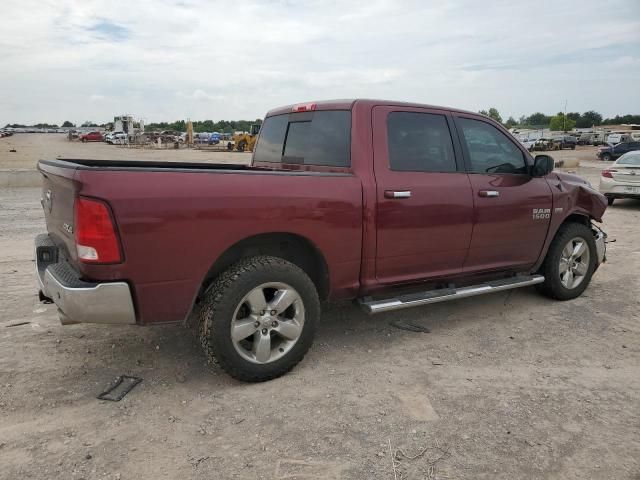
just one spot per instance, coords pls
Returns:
(91, 137)
(392, 204)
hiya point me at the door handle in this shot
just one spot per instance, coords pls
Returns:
(489, 193)
(397, 194)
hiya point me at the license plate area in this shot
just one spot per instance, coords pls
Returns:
(47, 253)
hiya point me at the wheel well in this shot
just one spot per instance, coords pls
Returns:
(577, 218)
(293, 248)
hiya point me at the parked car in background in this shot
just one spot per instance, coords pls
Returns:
(118, 138)
(115, 137)
(615, 138)
(565, 141)
(91, 137)
(622, 179)
(527, 143)
(201, 137)
(461, 209)
(544, 144)
(611, 152)
(586, 139)
(214, 138)
(111, 135)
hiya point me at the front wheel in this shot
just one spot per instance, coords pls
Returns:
(570, 262)
(259, 318)
(606, 157)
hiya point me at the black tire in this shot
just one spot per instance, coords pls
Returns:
(606, 157)
(224, 296)
(84, 140)
(241, 146)
(610, 200)
(573, 147)
(552, 286)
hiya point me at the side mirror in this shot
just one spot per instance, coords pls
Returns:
(542, 165)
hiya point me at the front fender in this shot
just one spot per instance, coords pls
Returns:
(573, 200)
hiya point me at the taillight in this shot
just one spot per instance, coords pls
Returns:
(96, 239)
(607, 172)
(304, 107)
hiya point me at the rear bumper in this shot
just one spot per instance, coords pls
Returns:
(79, 301)
(618, 188)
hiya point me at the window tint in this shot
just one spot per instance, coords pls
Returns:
(311, 138)
(419, 142)
(269, 147)
(490, 150)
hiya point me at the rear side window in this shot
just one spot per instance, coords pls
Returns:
(630, 159)
(490, 150)
(419, 142)
(309, 138)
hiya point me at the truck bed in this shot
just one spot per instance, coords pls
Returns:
(175, 219)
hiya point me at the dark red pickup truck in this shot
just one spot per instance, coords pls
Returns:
(393, 204)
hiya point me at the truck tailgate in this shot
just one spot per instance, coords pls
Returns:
(58, 195)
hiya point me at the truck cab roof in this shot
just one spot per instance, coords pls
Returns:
(348, 104)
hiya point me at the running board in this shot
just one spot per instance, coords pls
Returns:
(372, 306)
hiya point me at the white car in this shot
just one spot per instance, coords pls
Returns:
(622, 179)
(116, 138)
(527, 143)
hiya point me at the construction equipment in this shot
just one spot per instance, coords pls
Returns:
(245, 141)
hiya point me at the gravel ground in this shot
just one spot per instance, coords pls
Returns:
(509, 385)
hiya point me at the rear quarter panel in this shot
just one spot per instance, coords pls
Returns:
(174, 225)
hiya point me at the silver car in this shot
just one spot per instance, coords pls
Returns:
(622, 179)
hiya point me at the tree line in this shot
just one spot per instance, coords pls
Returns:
(560, 122)
(222, 126)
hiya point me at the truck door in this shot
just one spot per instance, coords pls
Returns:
(424, 202)
(512, 209)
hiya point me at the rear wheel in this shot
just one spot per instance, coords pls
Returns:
(259, 318)
(570, 262)
(610, 200)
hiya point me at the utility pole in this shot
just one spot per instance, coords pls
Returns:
(564, 120)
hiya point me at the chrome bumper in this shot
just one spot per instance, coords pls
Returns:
(79, 301)
(601, 245)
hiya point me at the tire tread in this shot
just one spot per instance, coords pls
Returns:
(552, 286)
(214, 303)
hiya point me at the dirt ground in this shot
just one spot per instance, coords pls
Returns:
(31, 147)
(509, 385)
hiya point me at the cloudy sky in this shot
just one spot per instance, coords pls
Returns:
(163, 60)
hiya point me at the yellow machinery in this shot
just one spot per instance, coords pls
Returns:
(189, 132)
(245, 141)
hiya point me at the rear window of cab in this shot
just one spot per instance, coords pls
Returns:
(309, 138)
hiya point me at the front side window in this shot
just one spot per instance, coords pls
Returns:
(490, 150)
(419, 142)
